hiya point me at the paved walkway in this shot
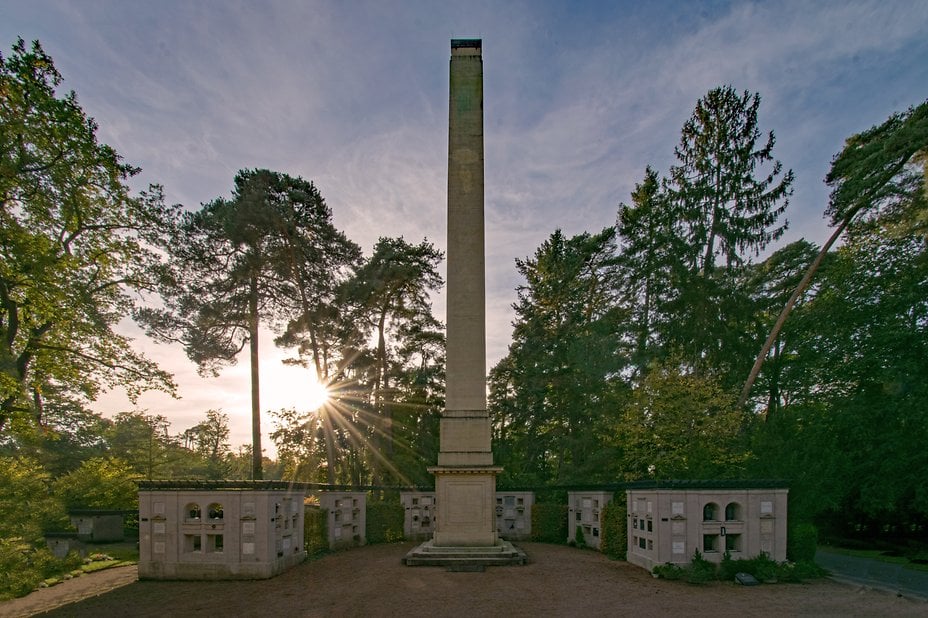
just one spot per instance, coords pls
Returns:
(874, 574)
(70, 591)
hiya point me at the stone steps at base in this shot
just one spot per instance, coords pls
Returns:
(465, 558)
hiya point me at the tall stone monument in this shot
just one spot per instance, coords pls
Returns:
(465, 477)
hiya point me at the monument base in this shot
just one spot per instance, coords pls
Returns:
(465, 500)
(503, 553)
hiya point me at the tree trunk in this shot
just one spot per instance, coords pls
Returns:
(323, 412)
(256, 451)
(775, 331)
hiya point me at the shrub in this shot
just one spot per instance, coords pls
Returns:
(23, 567)
(801, 542)
(549, 523)
(315, 530)
(579, 539)
(668, 571)
(765, 567)
(800, 571)
(614, 539)
(384, 522)
(99, 483)
(728, 568)
(699, 570)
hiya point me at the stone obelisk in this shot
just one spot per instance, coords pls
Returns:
(465, 478)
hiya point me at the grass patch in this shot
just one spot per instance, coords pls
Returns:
(125, 552)
(102, 565)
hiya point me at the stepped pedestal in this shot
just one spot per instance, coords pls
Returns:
(502, 553)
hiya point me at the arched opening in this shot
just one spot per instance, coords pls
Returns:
(192, 512)
(733, 512)
(214, 511)
(710, 512)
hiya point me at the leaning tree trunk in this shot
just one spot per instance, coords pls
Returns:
(778, 326)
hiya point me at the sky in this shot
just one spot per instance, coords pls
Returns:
(578, 98)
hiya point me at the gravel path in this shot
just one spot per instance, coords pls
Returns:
(558, 581)
(70, 591)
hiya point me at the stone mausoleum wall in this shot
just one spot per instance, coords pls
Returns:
(419, 511)
(97, 525)
(347, 515)
(584, 511)
(513, 514)
(214, 530)
(669, 521)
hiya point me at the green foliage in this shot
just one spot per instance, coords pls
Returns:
(728, 568)
(315, 530)
(579, 540)
(646, 231)
(551, 396)
(725, 197)
(209, 440)
(800, 571)
(801, 543)
(699, 570)
(669, 571)
(681, 425)
(384, 522)
(76, 249)
(762, 567)
(17, 576)
(549, 523)
(613, 540)
(725, 210)
(99, 483)
(27, 506)
(389, 296)
(873, 173)
(23, 567)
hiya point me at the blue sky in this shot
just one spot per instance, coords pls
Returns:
(579, 98)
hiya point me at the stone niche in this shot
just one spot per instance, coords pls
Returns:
(419, 513)
(584, 512)
(513, 513)
(220, 530)
(347, 513)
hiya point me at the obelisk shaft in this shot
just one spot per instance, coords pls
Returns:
(465, 478)
(465, 431)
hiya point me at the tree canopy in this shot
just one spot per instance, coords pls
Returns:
(76, 247)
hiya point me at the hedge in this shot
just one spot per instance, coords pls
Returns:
(315, 530)
(801, 542)
(384, 522)
(613, 541)
(549, 523)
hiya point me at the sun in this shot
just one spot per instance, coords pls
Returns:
(316, 395)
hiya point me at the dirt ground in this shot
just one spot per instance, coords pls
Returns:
(558, 581)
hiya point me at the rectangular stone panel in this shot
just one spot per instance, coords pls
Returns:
(465, 434)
